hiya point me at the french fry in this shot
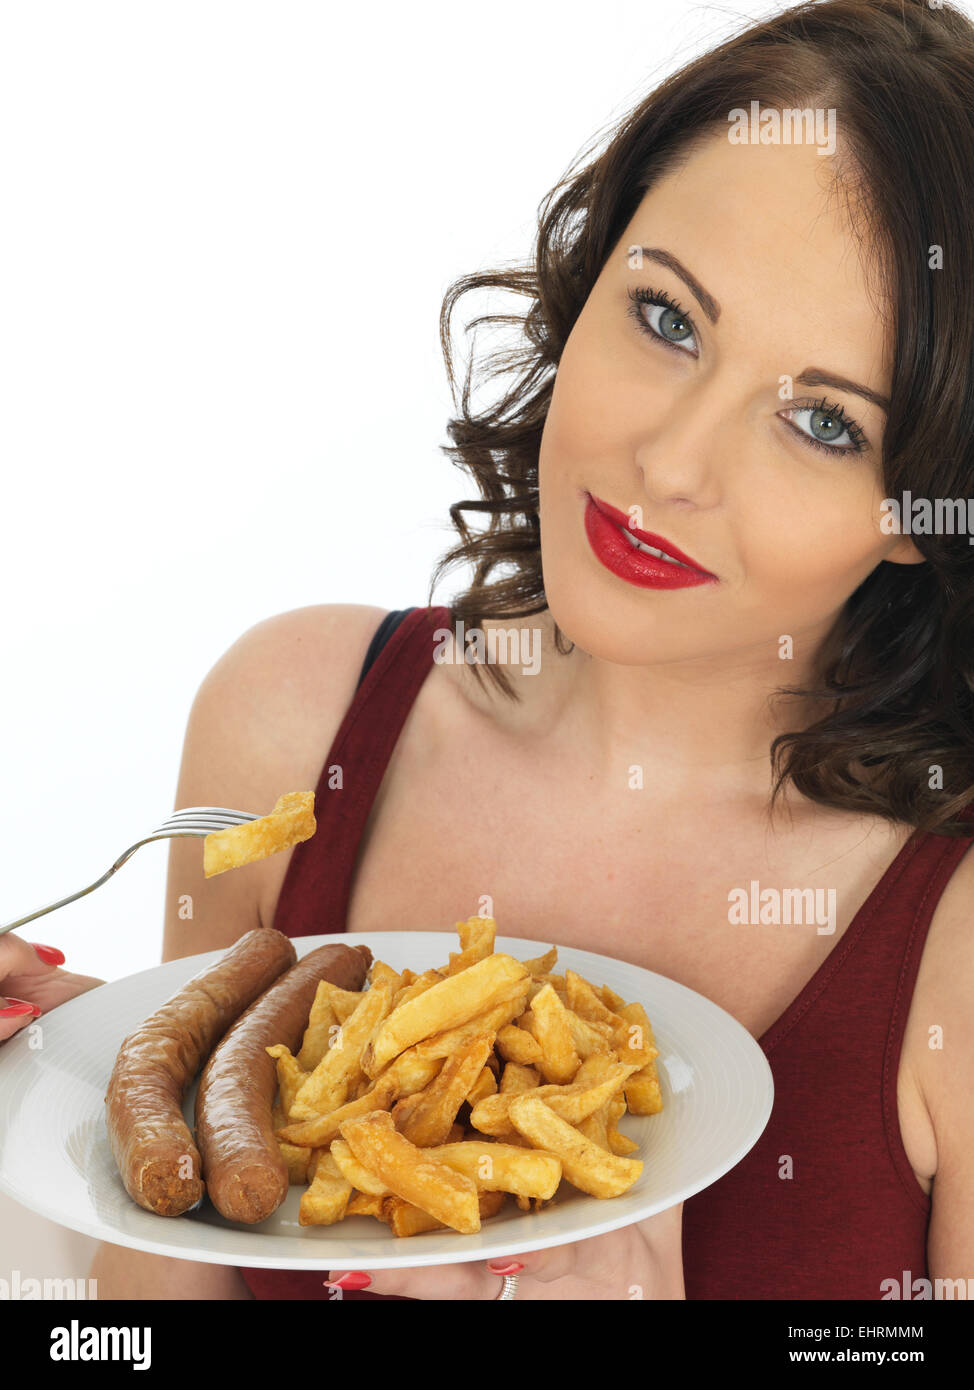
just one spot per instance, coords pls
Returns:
(503, 1167)
(383, 974)
(445, 1044)
(417, 986)
(586, 1038)
(485, 1085)
(444, 1005)
(586, 1165)
(356, 1173)
(595, 1128)
(318, 1035)
(618, 1143)
(410, 1072)
(320, 1131)
(559, 1061)
(516, 1077)
(290, 1076)
(541, 965)
(291, 821)
(609, 998)
(643, 1094)
(325, 1201)
(518, 1045)
(412, 1174)
(571, 1103)
(364, 1204)
(476, 941)
(328, 1085)
(297, 1158)
(633, 1036)
(427, 1117)
(583, 999)
(406, 1220)
(558, 981)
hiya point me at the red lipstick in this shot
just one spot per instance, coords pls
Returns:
(608, 530)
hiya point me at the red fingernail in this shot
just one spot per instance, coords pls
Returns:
(50, 955)
(355, 1279)
(11, 1000)
(19, 1008)
(504, 1267)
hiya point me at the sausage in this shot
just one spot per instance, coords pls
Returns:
(158, 1161)
(246, 1177)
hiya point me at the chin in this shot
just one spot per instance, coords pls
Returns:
(629, 630)
(598, 631)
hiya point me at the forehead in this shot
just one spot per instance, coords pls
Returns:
(766, 232)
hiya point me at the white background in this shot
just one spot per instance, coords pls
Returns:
(227, 232)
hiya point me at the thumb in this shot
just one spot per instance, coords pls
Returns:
(26, 974)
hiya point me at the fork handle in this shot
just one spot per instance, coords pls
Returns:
(82, 892)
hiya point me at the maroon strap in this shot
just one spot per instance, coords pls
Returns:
(317, 886)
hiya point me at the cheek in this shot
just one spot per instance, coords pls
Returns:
(813, 543)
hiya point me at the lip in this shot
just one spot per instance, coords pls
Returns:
(602, 526)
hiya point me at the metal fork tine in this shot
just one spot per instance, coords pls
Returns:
(205, 822)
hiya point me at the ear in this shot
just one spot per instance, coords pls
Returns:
(904, 552)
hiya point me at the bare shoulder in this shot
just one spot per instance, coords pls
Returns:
(261, 724)
(315, 651)
(281, 690)
(942, 1026)
(941, 1020)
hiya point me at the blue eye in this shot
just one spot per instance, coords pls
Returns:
(674, 326)
(830, 417)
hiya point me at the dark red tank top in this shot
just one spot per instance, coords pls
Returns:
(825, 1205)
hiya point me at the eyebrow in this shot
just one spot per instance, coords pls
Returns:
(811, 376)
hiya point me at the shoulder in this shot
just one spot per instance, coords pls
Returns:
(318, 649)
(942, 1018)
(261, 724)
(267, 711)
(945, 984)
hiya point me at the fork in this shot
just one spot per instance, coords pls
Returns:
(192, 820)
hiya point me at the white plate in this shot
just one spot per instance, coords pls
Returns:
(55, 1158)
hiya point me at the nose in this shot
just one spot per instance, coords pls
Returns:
(683, 451)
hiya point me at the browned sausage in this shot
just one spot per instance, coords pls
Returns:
(153, 1148)
(246, 1177)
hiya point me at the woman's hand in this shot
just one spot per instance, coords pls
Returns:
(640, 1261)
(31, 982)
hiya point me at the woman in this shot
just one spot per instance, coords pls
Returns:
(734, 352)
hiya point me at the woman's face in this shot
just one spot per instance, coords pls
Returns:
(685, 434)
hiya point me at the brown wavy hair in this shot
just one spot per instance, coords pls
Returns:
(896, 673)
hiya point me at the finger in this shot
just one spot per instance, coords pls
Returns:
(13, 1023)
(554, 1263)
(18, 954)
(50, 989)
(21, 964)
(465, 1282)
